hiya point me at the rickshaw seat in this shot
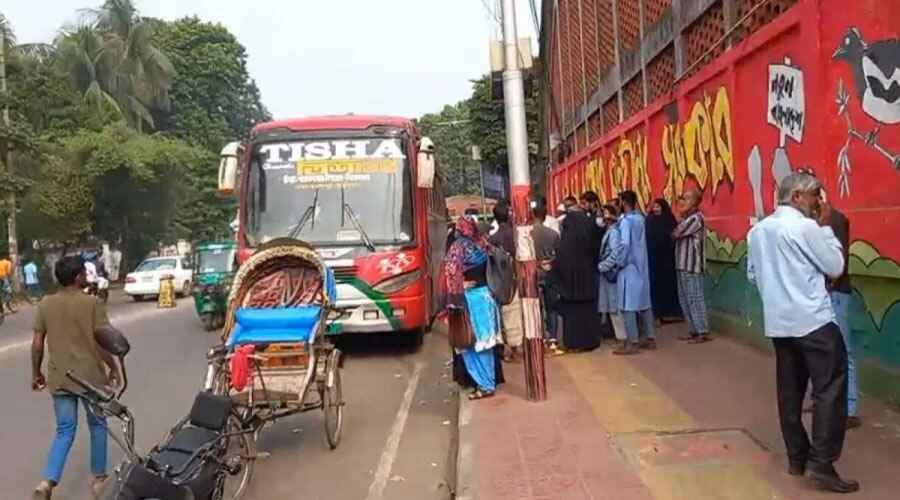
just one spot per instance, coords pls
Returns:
(266, 325)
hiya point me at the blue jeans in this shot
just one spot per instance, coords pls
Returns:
(840, 302)
(631, 324)
(66, 409)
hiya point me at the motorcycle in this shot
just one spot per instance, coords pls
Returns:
(99, 289)
(208, 455)
(214, 271)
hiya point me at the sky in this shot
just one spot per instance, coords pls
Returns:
(310, 57)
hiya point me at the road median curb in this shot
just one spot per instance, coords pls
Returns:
(466, 485)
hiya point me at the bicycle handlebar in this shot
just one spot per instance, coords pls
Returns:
(95, 392)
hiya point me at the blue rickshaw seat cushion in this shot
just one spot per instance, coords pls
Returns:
(266, 325)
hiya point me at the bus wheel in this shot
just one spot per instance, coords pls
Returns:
(416, 337)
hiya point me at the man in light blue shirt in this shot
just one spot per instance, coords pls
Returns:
(791, 253)
(32, 283)
(633, 285)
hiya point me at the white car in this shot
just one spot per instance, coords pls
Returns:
(145, 279)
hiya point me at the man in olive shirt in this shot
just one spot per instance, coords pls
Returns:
(67, 322)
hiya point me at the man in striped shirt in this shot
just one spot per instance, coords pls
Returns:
(690, 265)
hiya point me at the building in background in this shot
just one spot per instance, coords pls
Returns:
(730, 96)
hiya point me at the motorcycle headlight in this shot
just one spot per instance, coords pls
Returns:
(397, 283)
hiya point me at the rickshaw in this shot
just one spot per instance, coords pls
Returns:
(213, 272)
(276, 359)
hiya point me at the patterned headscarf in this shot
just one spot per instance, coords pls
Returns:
(467, 251)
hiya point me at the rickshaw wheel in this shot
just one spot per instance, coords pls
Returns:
(332, 401)
(242, 449)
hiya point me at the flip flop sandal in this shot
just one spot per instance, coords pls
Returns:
(480, 395)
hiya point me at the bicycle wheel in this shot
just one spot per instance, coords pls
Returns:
(333, 402)
(239, 455)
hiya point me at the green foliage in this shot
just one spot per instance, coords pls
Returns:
(214, 102)
(450, 131)
(112, 61)
(480, 121)
(83, 172)
(118, 185)
(488, 128)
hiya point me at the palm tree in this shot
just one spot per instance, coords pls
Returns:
(111, 59)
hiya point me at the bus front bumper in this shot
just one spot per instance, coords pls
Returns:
(388, 315)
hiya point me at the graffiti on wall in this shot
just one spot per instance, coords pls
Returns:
(701, 147)
(876, 81)
(786, 111)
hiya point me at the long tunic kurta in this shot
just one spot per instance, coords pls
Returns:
(634, 272)
(607, 300)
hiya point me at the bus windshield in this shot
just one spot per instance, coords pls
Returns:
(344, 191)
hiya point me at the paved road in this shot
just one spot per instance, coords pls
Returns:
(398, 431)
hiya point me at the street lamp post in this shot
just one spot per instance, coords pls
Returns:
(520, 195)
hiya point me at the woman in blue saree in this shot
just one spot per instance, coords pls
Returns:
(472, 312)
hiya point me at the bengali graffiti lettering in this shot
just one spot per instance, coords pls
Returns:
(701, 148)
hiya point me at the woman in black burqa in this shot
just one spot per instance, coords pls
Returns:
(576, 273)
(661, 254)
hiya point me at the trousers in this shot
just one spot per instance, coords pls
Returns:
(820, 357)
(66, 408)
(840, 302)
(693, 301)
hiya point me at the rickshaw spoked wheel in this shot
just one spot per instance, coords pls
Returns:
(332, 400)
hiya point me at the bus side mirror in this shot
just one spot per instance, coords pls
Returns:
(425, 164)
(228, 168)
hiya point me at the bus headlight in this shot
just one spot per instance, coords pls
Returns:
(397, 283)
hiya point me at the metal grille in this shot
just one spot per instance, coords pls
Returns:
(634, 96)
(611, 112)
(579, 138)
(344, 273)
(762, 16)
(570, 146)
(607, 42)
(653, 10)
(595, 125)
(661, 73)
(589, 44)
(576, 47)
(629, 17)
(703, 34)
(567, 61)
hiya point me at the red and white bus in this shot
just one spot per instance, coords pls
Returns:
(362, 190)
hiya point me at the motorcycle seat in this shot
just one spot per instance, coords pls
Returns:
(205, 424)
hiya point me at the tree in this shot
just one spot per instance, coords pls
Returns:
(118, 185)
(112, 61)
(488, 128)
(479, 121)
(451, 132)
(214, 102)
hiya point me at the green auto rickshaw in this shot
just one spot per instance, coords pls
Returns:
(214, 268)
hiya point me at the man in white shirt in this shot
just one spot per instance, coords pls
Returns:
(791, 253)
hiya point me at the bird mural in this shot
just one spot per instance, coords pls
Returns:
(876, 74)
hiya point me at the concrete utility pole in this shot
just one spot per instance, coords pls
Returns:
(6, 152)
(520, 194)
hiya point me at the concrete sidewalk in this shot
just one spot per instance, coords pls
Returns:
(686, 422)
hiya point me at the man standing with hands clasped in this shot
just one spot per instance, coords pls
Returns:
(67, 322)
(791, 255)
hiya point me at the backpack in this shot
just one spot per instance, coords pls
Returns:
(501, 275)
